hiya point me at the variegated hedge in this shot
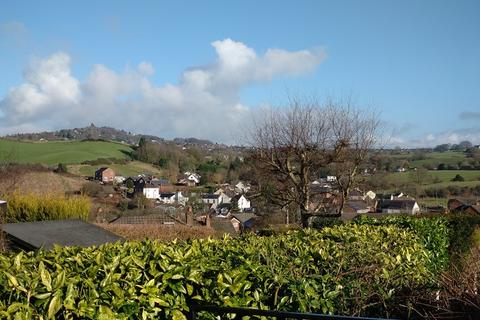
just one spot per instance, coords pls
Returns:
(350, 269)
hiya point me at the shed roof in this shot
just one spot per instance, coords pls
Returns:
(45, 234)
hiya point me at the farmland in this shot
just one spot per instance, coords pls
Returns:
(54, 152)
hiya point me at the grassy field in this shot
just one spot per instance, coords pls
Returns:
(132, 168)
(435, 158)
(434, 176)
(54, 152)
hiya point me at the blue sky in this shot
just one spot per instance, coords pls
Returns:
(62, 63)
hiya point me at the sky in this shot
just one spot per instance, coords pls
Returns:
(206, 68)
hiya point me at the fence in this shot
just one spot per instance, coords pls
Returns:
(256, 313)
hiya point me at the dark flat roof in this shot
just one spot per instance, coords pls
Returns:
(45, 234)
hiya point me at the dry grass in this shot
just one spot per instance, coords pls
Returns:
(159, 232)
(41, 182)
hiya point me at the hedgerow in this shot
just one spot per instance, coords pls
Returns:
(350, 269)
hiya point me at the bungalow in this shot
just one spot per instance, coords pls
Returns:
(356, 194)
(105, 174)
(398, 206)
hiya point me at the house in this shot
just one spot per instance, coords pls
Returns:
(135, 185)
(210, 198)
(359, 207)
(151, 191)
(180, 198)
(224, 198)
(398, 206)
(45, 234)
(105, 174)
(119, 179)
(242, 221)
(241, 202)
(457, 206)
(370, 195)
(242, 187)
(190, 179)
(168, 197)
(356, 195)
(162, 184)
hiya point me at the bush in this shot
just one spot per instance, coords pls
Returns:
(61, 168)
(349, 269)
(434, 234)
(32, 207)
(92, 189)
(458, 178)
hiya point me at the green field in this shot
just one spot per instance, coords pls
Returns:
(435, 176)
(54, 152)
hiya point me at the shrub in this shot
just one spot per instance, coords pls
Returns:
(61, 168)
(458, 178)
(349, 269)
(32, 207)
(434, 234)
(92, 189)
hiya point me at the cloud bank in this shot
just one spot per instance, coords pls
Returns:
(205, 103)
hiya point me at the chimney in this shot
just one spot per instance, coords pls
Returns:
(207, 220)
(189, 216)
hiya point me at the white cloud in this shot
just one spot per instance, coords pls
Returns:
(204, 103)
(434, 139)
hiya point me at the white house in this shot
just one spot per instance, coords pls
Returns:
(180, 198)
(241, 187)
(224, 198)
(241, 202)
(168, 197)
(151, 192)
(398, 206)
(192, 176)
(213, 199)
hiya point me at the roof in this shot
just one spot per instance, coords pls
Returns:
(45, 234)
(358, 205)
(396, 204)
(210, 196)
(222, 226)
(167, 195)
(244, 217)
(100, 170)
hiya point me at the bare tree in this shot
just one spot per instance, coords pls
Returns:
(292, 144)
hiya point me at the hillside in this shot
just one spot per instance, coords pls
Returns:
(93, 132)
(54, 152)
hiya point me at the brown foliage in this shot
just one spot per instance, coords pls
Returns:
(159, 232)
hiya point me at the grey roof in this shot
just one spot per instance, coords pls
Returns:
(45, 234)
(210, 196)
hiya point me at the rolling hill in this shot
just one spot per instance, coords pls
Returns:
(54, 152)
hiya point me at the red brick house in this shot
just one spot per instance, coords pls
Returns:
(105, 174)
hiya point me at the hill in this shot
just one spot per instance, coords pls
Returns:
(54, 152)
(88, 133)
(105, 133)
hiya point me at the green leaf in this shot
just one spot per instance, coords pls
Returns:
(54, 306)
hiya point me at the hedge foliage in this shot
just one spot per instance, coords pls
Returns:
(434, 233)
(350, 269)
(34, 207)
